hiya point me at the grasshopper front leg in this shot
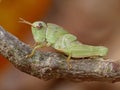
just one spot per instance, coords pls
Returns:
(36, 46)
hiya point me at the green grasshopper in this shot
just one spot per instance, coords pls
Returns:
(57, 37)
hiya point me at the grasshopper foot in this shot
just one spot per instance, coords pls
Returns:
(29, 55)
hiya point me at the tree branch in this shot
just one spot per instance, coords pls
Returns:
(53, 65)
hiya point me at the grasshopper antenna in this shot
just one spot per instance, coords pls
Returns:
(24, 21)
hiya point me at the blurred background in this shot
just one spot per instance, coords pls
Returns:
(94, 22)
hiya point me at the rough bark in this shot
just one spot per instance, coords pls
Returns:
(51, 65)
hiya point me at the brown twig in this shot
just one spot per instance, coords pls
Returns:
(53, 65)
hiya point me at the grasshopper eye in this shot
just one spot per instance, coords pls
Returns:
(39, 26)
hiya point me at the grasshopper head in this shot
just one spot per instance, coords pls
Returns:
(38, 30)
